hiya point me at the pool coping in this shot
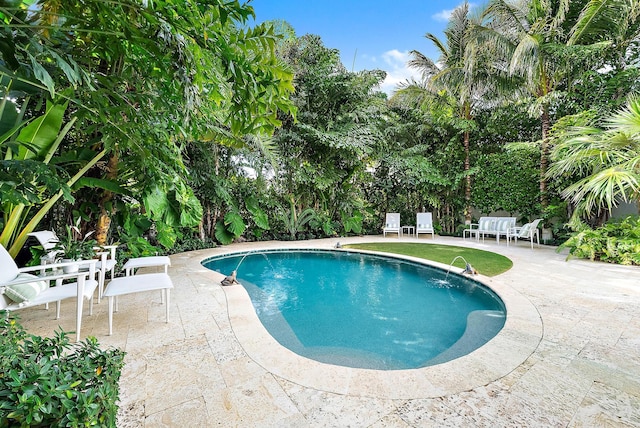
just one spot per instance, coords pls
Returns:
(518, 339)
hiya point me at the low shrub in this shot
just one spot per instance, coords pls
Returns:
(617, 241)
(49, 382)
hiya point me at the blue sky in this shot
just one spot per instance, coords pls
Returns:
(369, 34)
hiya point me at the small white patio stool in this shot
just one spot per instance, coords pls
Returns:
(136, 284)
(138, 262)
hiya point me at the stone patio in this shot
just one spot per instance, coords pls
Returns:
(569, 355)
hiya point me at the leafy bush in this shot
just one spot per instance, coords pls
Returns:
(191, 243)
(50, 382)
(617, 241)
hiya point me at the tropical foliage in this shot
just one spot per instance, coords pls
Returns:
(617, 241)
(142, 79)
(171, 125)
(464, 74)
(609, 161)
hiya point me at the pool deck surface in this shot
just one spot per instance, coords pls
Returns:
(569, 355)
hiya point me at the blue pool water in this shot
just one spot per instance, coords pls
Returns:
(365, 311)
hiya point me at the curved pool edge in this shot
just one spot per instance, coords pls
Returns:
(517, 340)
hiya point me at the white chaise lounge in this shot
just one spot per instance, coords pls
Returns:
(424, 224)
(392, 224)
(106, 263)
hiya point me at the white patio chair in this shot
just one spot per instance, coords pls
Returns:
(526, 231)
(48, 240)
(20, 289)
(392, 224)
(136, 283)
(424, 224)
(107, 253)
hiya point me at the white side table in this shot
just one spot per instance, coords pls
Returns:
(470, 233)
(409, 230)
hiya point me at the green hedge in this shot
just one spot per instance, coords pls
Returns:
(49, 382)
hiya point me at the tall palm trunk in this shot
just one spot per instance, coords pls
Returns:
(104, 220)
(544, 154)
(467, 183)
(467, 167)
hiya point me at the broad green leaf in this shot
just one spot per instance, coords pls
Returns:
(259, 217)
(100, 183)
(8, 117)
(222, 234)
(156, 201)
(39, 135)
(167, 235)
(42, 75)
(234, 223)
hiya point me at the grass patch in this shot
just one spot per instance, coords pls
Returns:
(485, 262)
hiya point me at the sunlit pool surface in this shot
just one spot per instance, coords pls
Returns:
(365, 311)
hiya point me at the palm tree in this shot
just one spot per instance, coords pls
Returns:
(458, 74)
(609, 158)
(531, 36)
(525, 34)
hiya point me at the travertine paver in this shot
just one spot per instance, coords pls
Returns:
(576, 323)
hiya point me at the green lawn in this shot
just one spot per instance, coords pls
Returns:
(485, 262)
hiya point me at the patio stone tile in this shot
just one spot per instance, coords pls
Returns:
(562, 353)
(258, 402)
(607, 373)
(240, 371)
(552, 392)
(224, 346)
(192, 413)
(131, 414)
(437, 413)
(605, 406)
(326, 409)
(390, 421)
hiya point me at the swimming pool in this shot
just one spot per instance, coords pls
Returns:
(358, 310)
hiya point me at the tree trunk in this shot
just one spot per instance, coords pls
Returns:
(104, 220)
(467, 185)
(544, 153)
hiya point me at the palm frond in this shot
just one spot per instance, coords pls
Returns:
(526, 58)
(604, 188)
(423, 64)
(442, 48)
(628, 119)
(600, 16)
(506, 17)
(560, 15)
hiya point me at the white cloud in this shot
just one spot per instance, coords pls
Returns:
(445, 14)
(397, 70)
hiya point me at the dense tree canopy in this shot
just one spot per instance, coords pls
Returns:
(174, 123)
(139, 80)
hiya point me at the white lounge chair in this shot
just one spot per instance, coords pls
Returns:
(392, 224)
(20, 289)
(424, 224)
(107, 253)
(526, 231)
